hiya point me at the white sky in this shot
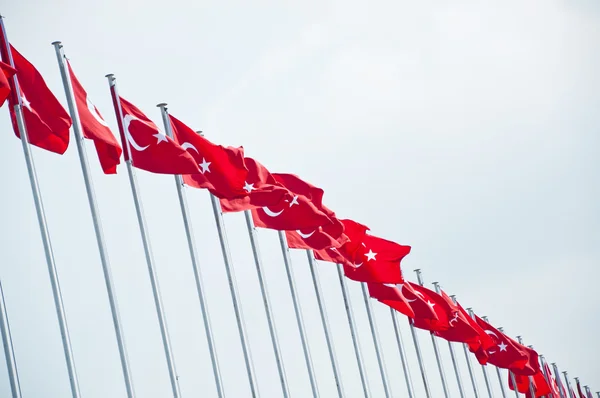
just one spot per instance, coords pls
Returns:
(469, 131)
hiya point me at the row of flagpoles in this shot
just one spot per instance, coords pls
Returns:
(47, 126)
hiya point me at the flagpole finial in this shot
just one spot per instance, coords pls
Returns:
(162, 105)
(200, 132)
(485, 318)
(57, 43)
(501, 329)
(435, 283)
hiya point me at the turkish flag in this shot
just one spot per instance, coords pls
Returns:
(392, 296)
(377, 260)
(149, 148)
(354, 234)
(6, 72)
(261, 189)
(552, 384)
(295, 213)
(95, 128)
(483, 340)
(540, 385)
(461, 325)
(222, 169)
(422, 311)
(444, 312)
(506, 354)
(46, 121)
(529, 367)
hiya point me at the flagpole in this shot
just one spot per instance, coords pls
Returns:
(189, 233)
(452, 356)
(531, 387)
(468, 359)
(483, 368)
(546, 376)
(9, 352)
(353, 333)
(162, 322)
(405, 369)
(267, 304)
(376, 343)
(41, 215)
(435, 347)
(239, 317)
(499, 373)
(298, 311)
(567, 381)
(419, 358)
(314, 272)
(560, 384)
(89, 187)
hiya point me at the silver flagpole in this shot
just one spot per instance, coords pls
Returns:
(468, 359)
(41, 215)
(588, 392)
(314, 272)
(353, 333)
(568, 384)
(546, 375)
(298, 311)
(419, 359)
(162, 322)
(267, 304)
(559, 381)
(376, 343)
(89, 187)
(189, 233)
(483, 368)
(531, 387)
(435, 348)
(499, 373)
(452, 356)
(9, 353)
(239, 317)
(405, 369)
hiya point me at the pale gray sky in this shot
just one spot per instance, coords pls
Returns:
(470, 131)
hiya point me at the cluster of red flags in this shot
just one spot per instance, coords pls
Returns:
(277, 201)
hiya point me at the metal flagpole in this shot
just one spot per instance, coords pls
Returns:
(546, 375)
(452, 356)
(483, 369)
(376, 343)
(353, 333)
(435, 348)
(588, 391)
(409, 385)
(568, 385)
(314, 272)
(189, 233)
(531, 387)
(499, 373)
(41, 215)
(468, 359)
(89, 187)
(298, 311)
(559, 381)
(239, 317)
(267, 304)
(162, 322)
(419, 359)
(9, 353)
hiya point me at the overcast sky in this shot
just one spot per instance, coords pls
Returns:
(469, 131)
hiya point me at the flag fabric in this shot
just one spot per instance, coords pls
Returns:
(392, 296)
(6, 72)
(46, 121)
(95, 128)
(423, 310)
(461, 328)
(222, 169)
(540, 385)
(529, 367)
(354, 234)
(444, 312)
(149, 148)
(552, 384)
(377, 260)
(506, 354)
(261, 189)
(581, 394)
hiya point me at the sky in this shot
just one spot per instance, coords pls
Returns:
(467, 130)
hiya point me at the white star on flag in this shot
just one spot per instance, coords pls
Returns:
(26, 103)
(204, 166)
(429, 303)
(294, 201)
(502, 346)
(160, 137)
(370, 255)
(249, 187)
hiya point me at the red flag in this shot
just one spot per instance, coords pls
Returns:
(6, 72)
(444, 312)
(529, 367)
(376, 261)
(222, 170)
(540, 385)
(581, 394)
(506, 354)
(261, 190)
(422, 307)
(552, 384)
(354, 234)
(392, 296)
(150, 149)
(461, 325)
(95, 128)
(47, 122)
(483, 340)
